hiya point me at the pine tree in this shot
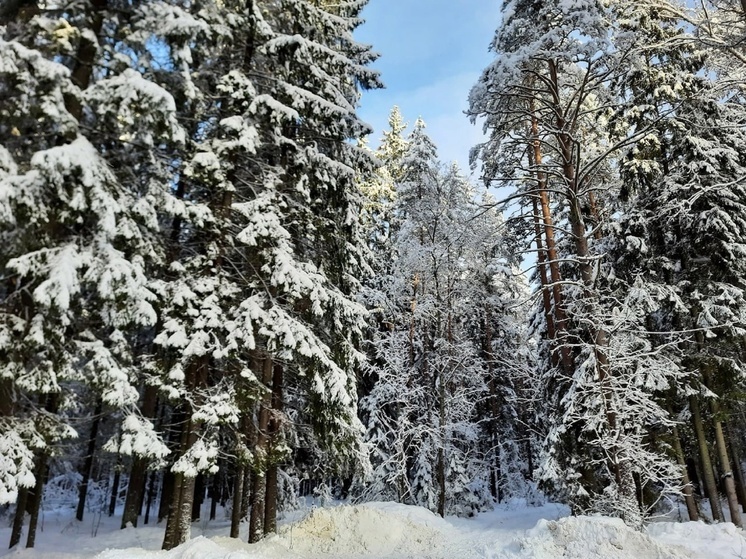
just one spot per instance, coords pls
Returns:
(543, 98)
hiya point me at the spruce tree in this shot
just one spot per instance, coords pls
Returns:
(430, 373)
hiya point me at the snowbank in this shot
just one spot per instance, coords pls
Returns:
(198, 548)
(588, 538)
(376, 530)
(389, 530)
(705, 541)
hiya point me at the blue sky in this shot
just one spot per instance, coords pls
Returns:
(432, 52)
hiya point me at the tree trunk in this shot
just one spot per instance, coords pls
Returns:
(170, 535)
(17, 531)
(34, 499)
(139, 470)
(199, 497)
(167, 494)
(704, 455)
(270, 500)
(560, 322)
(136, 488)
(88, 463)
(168, 483)
(246, 498)
(38, 494)
(274, 428)
(489, 360)
(214, 495)
(238, 491)
(178, 526)
(598, 336)
(546, 295)
(7, 398)
(639, 493)
(737, 469)
(86, 57)
(258, 494)
(722, 450)
(115, 489)
(151, 495)
(184, 517)
(691, 505)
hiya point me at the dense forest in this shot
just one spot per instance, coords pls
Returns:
(213, 292)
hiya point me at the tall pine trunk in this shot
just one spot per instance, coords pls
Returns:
(178, 526)
(151, 495)
(737, 469)
(17, 530)
(546, 295)
(274, 428)
(88, 462)
(238, 490)
(114, 497)
(560, 318)
(42, 466)
(704, 456)
(691, 505)
(724, 459)
(598, 337)
(41, 470)
(258, 493)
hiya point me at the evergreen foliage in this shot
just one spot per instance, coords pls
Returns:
(211, 286)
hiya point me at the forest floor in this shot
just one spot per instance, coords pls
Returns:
(387, 530)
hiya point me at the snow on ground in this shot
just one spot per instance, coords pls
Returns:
(389, 530)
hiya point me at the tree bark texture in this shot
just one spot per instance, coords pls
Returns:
(724, 459)
(258, 494)
(691, 505)
(274, 428)
(17, 530)
(737, 469)
(88, 462)
(115, 490)
(36, 498)
(704, 456)
(179, 524)
(238, 490)
(560, 319)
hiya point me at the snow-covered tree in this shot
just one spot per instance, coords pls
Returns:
(543, 99)
(264, 301)
(79, 239)
(430, 369)
(682, 231)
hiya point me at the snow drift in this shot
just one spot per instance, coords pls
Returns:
(588, 538)
(389, 530)
(375, 530)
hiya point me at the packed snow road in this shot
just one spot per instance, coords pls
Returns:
(387, 530)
